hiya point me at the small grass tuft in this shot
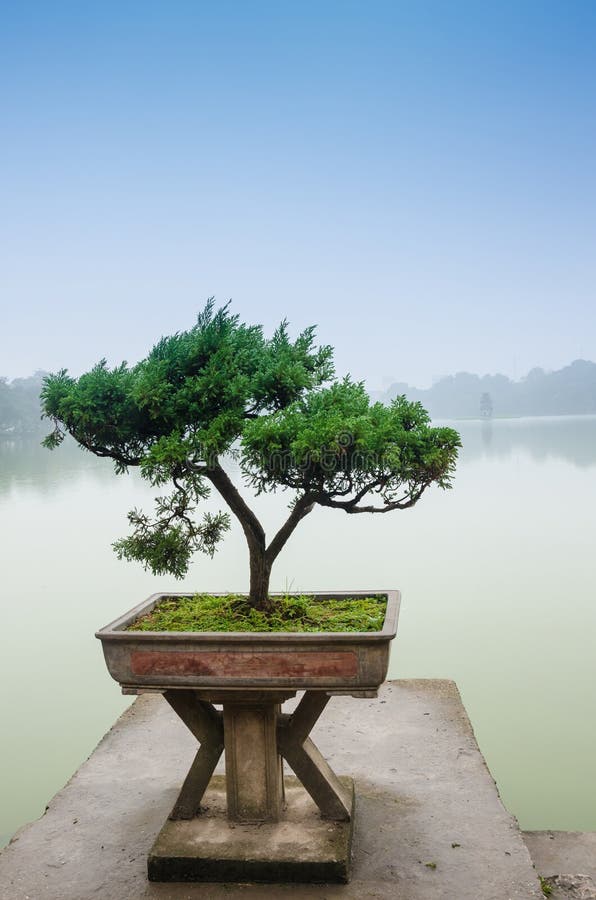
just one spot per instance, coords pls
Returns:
(232, 612)
(547, 888)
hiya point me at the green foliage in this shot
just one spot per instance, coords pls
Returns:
(204, 612)
(166, 543)
(545, 886)
(199, 387)
(335, 445)
(222, 389)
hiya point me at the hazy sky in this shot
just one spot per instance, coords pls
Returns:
(417, 178)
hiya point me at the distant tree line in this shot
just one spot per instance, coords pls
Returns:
(568, 391)
(20, 411)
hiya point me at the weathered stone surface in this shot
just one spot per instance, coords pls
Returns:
(571, 887)
(421, 787)
(557, 852)
(253, 765)
(303, 847)
(244, 664)
(294, 660)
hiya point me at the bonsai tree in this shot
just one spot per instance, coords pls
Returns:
(222, 391)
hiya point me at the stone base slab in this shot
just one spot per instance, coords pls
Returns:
(303, 847)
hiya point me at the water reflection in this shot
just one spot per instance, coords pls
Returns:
(568, 438)
(25, 463)
(487, 612)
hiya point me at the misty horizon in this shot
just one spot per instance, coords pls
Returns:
(420, 185)
(377, 381)
(387, 380)
(463, 395)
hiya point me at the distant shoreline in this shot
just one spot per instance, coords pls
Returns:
(570, 391)
(513, 418)
(566, 393)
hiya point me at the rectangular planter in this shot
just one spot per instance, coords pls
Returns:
(342, 662)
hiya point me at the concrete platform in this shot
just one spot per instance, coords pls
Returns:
(429, 823)
(558, 852)
(567, 860)
(302, 848)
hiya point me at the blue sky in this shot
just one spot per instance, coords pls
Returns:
(417, 178)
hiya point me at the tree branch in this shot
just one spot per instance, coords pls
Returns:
(350, 506)
(250, 524)
(111, 454)
(302, 507)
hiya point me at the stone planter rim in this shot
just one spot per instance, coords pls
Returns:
(116, 630)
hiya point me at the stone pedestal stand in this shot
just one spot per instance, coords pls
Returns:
(254, 825)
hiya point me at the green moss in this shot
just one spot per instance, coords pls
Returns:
(204, 612)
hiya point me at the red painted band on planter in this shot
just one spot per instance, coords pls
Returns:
(245, 664)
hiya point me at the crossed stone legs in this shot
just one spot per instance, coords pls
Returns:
(255, 735)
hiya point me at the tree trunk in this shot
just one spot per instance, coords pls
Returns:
(261, 557)
(260, 572)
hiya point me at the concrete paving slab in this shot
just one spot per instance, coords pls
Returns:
(569, 887)
(563, 852)
(429, 824)
(566, 860)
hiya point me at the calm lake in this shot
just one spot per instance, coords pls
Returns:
(499, 593)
